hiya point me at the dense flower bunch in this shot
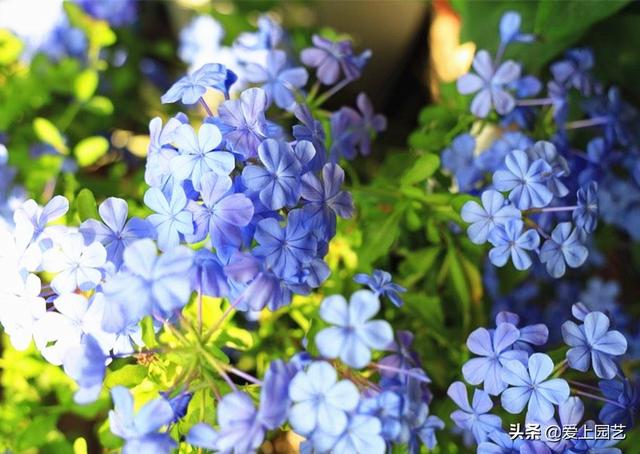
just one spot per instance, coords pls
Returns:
(542, 196)
(241, 210)
(508, 365)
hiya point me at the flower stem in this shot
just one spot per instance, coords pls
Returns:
(534, 102)
(553, 209)
(408, 373)
(593, 396)
(596, 121)
(206, 106)
(332, 91)
(244, 375)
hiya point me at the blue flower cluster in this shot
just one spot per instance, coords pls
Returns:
(242, 209)
(543, 194)
(509, 365)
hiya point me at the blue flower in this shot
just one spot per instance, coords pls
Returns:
(586, 214)
(85, 363)
(362, 435)
(510, 29)
(585, 443)
(529, 385)
(381, 284)
(222, 215)
(509, 241)
(530, 335)
(147, 284)
(368, 124)
(115, 232)
(593, 343)
(459, 159)
(325, 199)
(475, 416)
(203, 436)
(333, 59)
(354, 334)
(279, 82)
(170, 219)
(210, 278)
(278, 182)
(198, 154)
(501, 443)
(274, 397)
(193, 86)
(77, 266)
(243, 123)
(37, 218)
(526, 181)
(490, 84)
(141, 431)
(564, 246)
(241, 431)
(117, 12)
(179, 404)
(559, 167)
(320, 401)
(387, 407)
(623, 402)
(494, 349)
(484, 219)
(574, 71)
(285, 249)
(310, 130)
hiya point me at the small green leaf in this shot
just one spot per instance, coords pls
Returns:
(422, 169)
(99, 105)
(86, 205)
(48, 133)
(129, 375)
(85, 85)
(89, 150)
(379, 238)
(460, 285)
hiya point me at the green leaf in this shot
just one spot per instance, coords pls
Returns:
(85, 85)
(49, 133)
(460, 285)
(129, 375)
(149, 333)
(379, 238)
(89, 150)
(86, 205)
(422, 169)
(99, 105)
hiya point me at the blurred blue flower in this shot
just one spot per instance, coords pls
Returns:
(354, 334)
(37, 218)
(459, 159)
(362, 435)
(320, 401)
(564, 246)
(585, 215)
(140, 431)
(529, 385)
(509, 240)
(274, 396)
(475, 416)
(333, 59)
(490, 84)
(240, 431)
(510, 29)
(492, 158)
(198, 154)
(387, 407)
(148, 284)
(179, 404)
(202, 435)
(484, 219)
(170, 219)
(380, 282)
(494, 349)
(525, 180)
(210, 278)
(593, 344)
(77, 266)
(623, 402)
(530, 335)
(115, 232)
(310, 130)
(279, 82)
(85, 363)
(574, 71)
(559, 168)
(278, 182)
(192, 87)
(117, 12)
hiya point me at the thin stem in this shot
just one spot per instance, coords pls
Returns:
(332, 91)
(553, 209)
(200, 312)
(584, 385)
(217, 325)
(593, 396)
(408, 373)
(206, 106)
(244, 375)
(539, 229)
(534, 102)
(596, 121)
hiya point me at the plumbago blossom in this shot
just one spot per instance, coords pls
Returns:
(522, 380)
(238, 216)
(553, 193)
